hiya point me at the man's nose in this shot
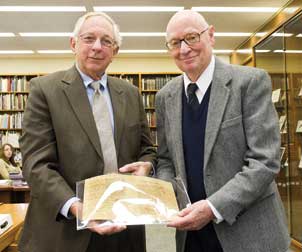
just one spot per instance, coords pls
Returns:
(97, 44)
(184, 48)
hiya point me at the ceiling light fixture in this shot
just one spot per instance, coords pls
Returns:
(54, 51)
(235, 9)
(260, 34)
(138, 8)
(16, 52)
(42, 8)
(282, 34)
(143, 34)
(45, 34)
(288, 51)
(143, 51)
(7, 34)
(222, 51)
(262, 51)
(244, 51)
(232, 34)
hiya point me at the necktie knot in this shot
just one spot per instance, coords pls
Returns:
(191, 89)
(97, 86)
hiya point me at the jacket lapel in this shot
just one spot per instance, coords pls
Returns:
(174, 115)
(218, 100)
(77, 96)
(118, 101)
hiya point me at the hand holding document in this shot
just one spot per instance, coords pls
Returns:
(125, 200)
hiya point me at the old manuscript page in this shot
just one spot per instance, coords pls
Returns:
(128, 199)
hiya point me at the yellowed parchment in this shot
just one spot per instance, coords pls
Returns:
(124, 198)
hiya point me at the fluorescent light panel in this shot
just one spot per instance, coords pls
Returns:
(232, 34)
(244, 51)
(235, 9)
(288, 51)
(7, 34)
(54, 51)
(143, 51)
(138, 8)
(143, 34)
(130, 34)
(299, 35)
(262, 51)
(281, 34)
(260, 34)
(45, 34)
(16, 52)
(222, 51)
(163, 34)
(42, 8)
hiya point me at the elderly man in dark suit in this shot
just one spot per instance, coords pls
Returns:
(218, 131)
(61, 144)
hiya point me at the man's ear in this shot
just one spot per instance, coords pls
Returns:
(211, 34)
(115, 50)
(72, 43)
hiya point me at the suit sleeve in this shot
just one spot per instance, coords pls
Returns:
(39, 151)
(165, 169)
(261, 159)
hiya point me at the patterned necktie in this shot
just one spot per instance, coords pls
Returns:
(103, 124)
(192, 98)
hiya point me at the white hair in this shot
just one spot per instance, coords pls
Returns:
(82, 19)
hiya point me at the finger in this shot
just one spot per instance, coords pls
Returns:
(128, 168)
(185, 212)
(179, 222)
(107, 230)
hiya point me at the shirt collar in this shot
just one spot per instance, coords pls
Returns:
(204, 80)
(87, 80)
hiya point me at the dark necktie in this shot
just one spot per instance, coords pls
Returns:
(192, 98)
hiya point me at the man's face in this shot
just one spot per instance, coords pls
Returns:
(192, 59)
(93, 55)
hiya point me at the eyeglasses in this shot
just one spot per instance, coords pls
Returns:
(189, 39)
(90, 40)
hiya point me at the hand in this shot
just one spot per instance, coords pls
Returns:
(107, 230)
(194, 217)
(74, 207)
(137, 168)
(102, 230)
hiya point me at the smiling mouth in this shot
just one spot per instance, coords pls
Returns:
(93, 58)
(188, 59)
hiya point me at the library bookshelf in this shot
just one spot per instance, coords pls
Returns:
(14, 91)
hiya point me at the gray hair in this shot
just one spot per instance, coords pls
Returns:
(82, 19)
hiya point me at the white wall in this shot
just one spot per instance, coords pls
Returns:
(35, 65)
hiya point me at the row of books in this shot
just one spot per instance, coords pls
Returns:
(155, 83)
(151, 117)
(13, 101)
(149, 100)
(11, 121)
(14, 84)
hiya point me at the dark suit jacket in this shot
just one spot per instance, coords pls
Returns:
(241, 157)
(60, 146)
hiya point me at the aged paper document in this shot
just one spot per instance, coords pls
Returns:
(128, 199)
